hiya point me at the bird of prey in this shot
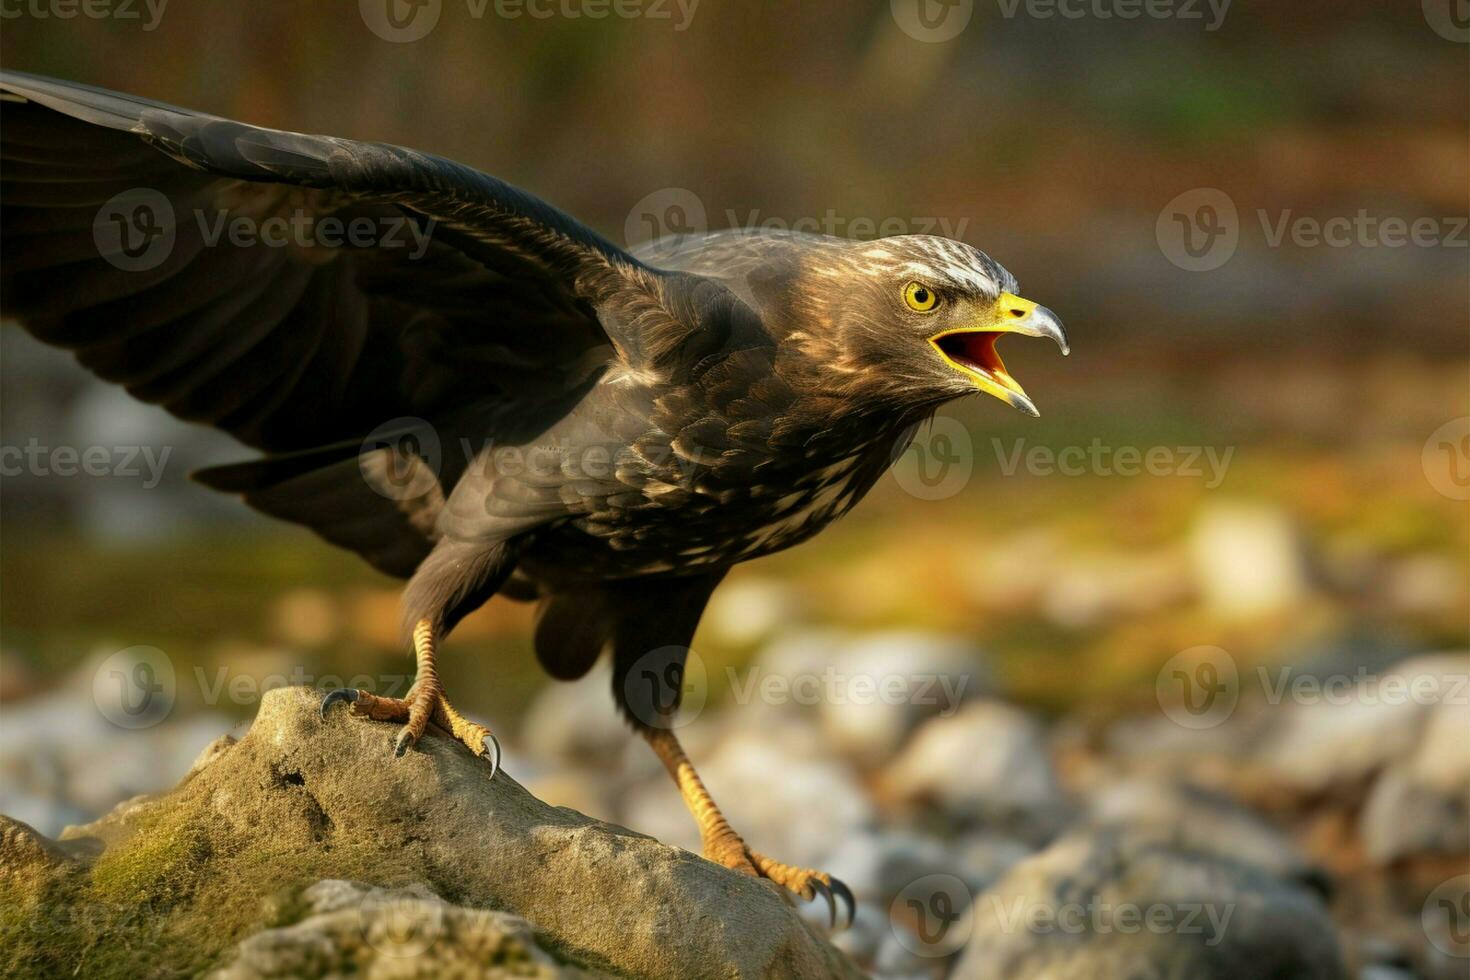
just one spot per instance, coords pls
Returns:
(516, 406)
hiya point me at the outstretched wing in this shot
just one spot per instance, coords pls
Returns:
(182, 256)
(301, 291)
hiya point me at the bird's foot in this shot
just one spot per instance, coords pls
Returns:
(732, 852)
(423, 705)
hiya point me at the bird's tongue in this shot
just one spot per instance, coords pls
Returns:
(976, 350)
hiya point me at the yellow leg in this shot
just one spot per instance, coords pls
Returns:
(425, 703)
(426, 691)
(725, 847)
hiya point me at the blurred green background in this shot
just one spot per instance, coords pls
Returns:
(1056, 145)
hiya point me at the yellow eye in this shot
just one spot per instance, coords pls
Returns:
(919, 297)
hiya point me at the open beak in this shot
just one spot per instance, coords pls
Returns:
(971, 350)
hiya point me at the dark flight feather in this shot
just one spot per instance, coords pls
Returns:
(493, 331)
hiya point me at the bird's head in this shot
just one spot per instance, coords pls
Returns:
(914, 318)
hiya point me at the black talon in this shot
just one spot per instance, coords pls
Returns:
(403, 742)
(494, 762)
(820, 887)
(348, 694)
(845, 893)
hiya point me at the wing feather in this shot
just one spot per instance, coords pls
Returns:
(493, 329)
(503, 305)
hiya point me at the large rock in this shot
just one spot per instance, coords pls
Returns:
(349, 928)
(172, 884)
(1114, 903)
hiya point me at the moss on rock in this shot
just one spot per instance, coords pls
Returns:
(179, 884)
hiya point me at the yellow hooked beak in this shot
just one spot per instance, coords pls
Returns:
(971, 350)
